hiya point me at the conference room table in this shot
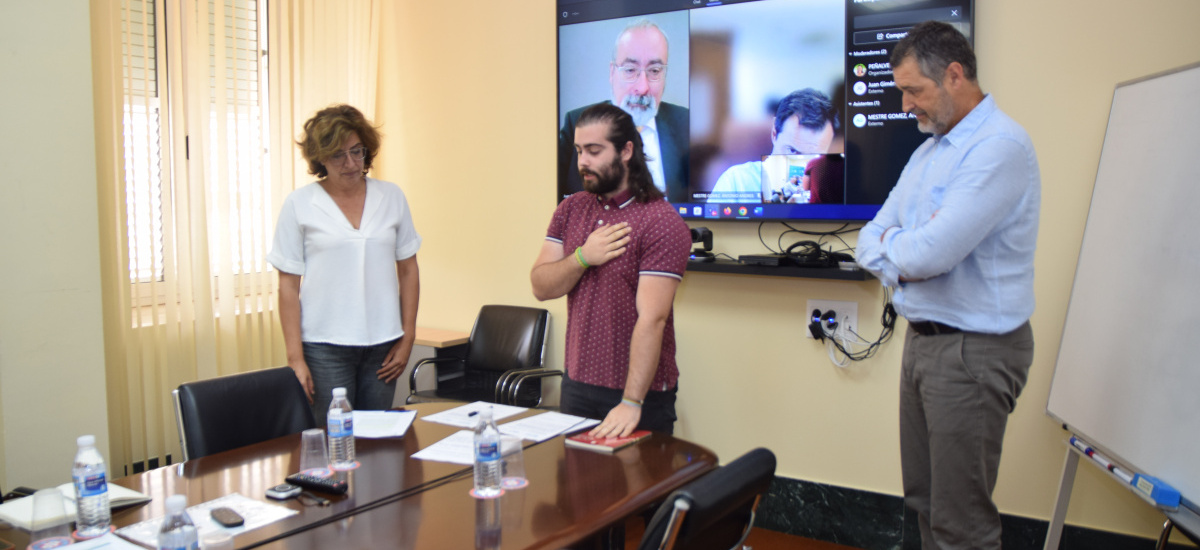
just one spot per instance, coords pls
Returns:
(397, 501)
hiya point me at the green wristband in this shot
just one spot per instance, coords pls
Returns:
(579, 257)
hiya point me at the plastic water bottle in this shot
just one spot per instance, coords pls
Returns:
(93, 516)
(340, 422)
(177, 531)
(487, 456)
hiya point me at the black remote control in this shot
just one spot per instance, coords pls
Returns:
(322, 484)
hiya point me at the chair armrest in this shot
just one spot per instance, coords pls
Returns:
(536, 374)
(505, 384)
(434, 361)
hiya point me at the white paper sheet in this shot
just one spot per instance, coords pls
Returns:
(107, 542)
(378, 424)
(256, 513)
(546, 425)
(459, 448)
(467, 415)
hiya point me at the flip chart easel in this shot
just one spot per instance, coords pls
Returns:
(1126, 377)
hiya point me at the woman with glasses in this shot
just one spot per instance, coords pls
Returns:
(346, 251)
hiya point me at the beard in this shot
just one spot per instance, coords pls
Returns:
(606, 180)
(643, 108)
(936, 120)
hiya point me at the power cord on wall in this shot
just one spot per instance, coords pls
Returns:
(841, 342)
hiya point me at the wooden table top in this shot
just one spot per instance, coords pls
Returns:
(440, 338)
(396, 501)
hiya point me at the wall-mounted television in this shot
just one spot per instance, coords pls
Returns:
(705, 81)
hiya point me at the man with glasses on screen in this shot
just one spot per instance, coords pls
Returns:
(804, 124)
(637, 74)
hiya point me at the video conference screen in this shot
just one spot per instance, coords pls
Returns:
(754, 109)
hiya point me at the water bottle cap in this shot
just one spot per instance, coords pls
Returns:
(86, 441)
(339, 392)
(176, 503)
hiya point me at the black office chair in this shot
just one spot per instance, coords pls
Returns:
(233, 411)
(715, 511)
(505, 340)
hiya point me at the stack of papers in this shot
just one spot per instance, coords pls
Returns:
(19, 512)
(459, 448)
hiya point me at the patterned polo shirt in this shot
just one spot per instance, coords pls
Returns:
(602, 308)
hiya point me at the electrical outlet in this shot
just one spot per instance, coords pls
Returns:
(847, 313)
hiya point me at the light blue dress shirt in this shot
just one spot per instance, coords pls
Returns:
(961, 227)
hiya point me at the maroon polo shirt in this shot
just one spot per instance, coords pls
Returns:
(602, 308)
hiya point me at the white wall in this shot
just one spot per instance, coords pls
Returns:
(51, 335)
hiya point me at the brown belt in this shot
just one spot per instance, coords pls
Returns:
(930, 328)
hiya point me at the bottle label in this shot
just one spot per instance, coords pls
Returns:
(340, 424)
(91, 486)
(487, 451)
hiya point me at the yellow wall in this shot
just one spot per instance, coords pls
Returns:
(51, 339)
(468, 108)
(468, 104)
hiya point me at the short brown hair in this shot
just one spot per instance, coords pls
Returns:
(935, 45)
(327, 130)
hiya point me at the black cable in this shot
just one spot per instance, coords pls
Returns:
(764, 243)
(888, 320)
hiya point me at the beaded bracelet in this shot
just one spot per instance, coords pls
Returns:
(579, 257)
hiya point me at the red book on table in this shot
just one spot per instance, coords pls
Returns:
(605, 444)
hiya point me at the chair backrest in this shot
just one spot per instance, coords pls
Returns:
(507, 337)
(715, 511)
(233, 411)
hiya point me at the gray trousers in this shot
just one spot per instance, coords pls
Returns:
(956, 392)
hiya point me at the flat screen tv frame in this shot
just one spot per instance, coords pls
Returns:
(728, 67)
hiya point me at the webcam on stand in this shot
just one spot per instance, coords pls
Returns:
(705, 237)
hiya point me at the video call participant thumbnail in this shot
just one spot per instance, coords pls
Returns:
(637, 75)
(805, 123)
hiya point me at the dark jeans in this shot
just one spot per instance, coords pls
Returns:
(579, 399)
(352, 367)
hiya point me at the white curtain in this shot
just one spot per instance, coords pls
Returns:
(198, 105)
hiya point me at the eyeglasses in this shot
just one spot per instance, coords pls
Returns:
(630, 72)
(357, 153)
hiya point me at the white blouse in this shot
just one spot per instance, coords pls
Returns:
(349, 293)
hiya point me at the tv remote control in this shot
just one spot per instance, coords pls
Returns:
(322, 484)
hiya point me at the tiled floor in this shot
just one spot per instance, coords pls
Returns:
(759, 539)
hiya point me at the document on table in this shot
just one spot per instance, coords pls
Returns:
(19, 511)
(459, 448)
(377, 424)
(107, 542)
(546, 425)
(467, 416)
(256, 513)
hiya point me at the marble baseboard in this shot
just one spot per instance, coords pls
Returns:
(874, 521)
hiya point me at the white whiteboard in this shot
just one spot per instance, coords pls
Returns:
(1127, 378)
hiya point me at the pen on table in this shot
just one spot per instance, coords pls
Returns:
(472, 413)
